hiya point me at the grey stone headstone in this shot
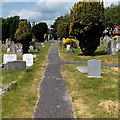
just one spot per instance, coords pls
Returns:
(83, 69)
(29, 59)
(31, 47)
(16, 65)
(18, 49)
(9, 57)
(12, 48)
(94, 68)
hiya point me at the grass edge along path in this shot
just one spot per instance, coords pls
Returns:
(91, 97)
(20, 101)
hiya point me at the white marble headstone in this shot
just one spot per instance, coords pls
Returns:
(29, 59)
(94, 68)
(68, 48)
(9, 57)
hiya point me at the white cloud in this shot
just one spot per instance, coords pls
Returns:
(27, 14)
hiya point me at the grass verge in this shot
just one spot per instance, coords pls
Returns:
(93, 97)
(77, 56)
(20, 101)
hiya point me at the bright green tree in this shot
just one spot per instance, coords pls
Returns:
(63, 30)
(58, 21)
(87, 24)
(23, 35)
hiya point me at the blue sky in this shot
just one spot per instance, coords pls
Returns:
(40, 10)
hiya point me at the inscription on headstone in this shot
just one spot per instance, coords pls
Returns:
(94, 68)
(9, 57)
(29, 59)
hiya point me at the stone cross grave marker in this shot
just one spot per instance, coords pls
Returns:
(29, 59)
(9, 57)
(94, 68)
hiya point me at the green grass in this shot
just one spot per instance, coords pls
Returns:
(77, 56)
(20, 101)
(88, 93)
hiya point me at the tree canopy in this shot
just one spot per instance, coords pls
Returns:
(112, 15)
(87, 25)
(39, 30)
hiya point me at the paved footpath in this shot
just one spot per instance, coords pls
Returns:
(54, 101)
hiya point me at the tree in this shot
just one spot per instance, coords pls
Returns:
(39, 30)
(23, 35)
(59, 20)
(63, 30)
(87, 25)
(112, 15)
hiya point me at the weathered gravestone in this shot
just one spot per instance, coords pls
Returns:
(12, 47)
(113, 46)
(29, 59)
(94, 68)
(9, 57)
(18, 49)
(16, 65)
(8, 50)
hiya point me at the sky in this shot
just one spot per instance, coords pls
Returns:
(40, 10)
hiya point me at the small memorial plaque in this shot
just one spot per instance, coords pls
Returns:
(29, 59)
(9, 57)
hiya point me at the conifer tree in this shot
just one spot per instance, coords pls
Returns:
(87, 24)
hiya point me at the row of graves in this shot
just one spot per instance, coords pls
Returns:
(16, 50)
(11, 62)
(112, 44)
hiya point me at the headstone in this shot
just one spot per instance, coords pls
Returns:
(31, 47)
(83, 69)
(109, 51)
(68, 48)
(16, 65)
(0, 46)
(117, 46)
(18, 49)
(12, 48)
(113, 46)
(9, 58)
(29, 59)
(94, 68)
(42, 44)
(8, 50)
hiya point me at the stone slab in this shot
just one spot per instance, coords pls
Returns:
(29, 59)
(83, 69)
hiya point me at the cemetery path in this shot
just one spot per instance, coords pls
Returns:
(54, 101)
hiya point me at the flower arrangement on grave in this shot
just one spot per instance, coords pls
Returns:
(69, 41)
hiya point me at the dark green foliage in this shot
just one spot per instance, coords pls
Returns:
(9, 27)
(24, 35)
(87, 25)
(112, 15)
(39, 30)
(63, 30)
(57, 22)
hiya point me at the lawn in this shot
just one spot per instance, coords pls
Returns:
(93, 97)
(20, 101)
(77, 56)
